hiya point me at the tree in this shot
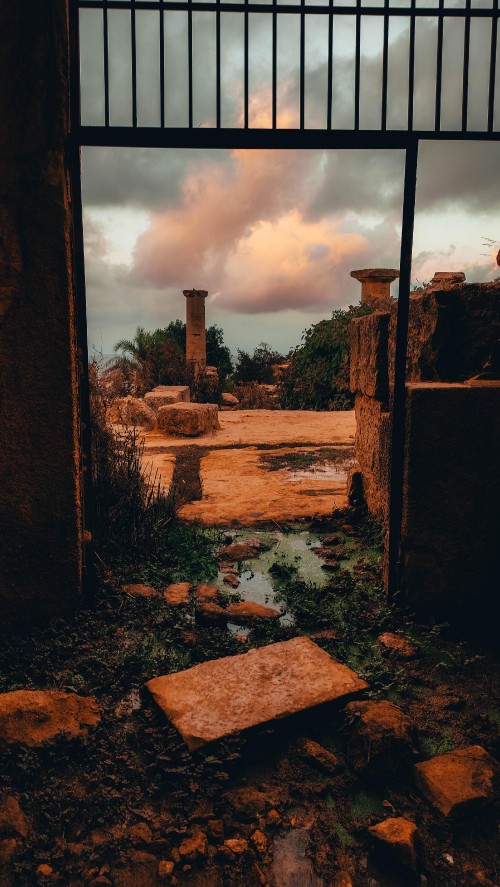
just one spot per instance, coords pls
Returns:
(256, 367)
(318, 375)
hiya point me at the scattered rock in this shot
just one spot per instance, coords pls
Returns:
(13, 822)
(315, 753)
(397, 645)
(342, 879)
(206, 592)
(247, 610)
(259, 841)
(37, 717)
(215, 830)
(139, 590)
(273, 819)
(139, 833)
(177, 594)
(382, 734)
(229, 400)
(326, 634)
(165, 869)
(44, 872)
(240, 551)
(224, 696)
(398, 835)
(193, 848)
(8, 848)
(248, 802)
(188, 419)
(165, 395)
(209, 611)
(132, 411)
(238, 846)
(231, 578)
(459, 781)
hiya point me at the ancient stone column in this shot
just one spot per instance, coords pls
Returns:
(376, 285)
(196, 337)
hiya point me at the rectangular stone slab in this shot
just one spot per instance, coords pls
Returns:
(225, 696)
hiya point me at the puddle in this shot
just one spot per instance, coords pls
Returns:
(294, 548)
(330, 470)
(291, 867)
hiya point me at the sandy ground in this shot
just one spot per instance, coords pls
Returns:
(239, 488)
(266, 427)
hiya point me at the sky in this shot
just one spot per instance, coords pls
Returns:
(272, 235)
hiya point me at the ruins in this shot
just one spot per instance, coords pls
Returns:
(196, 339)
(449, 557)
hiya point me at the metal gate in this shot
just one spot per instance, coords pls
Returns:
(470, 29)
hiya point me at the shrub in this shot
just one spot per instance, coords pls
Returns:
(256, 367)
(130, 511)
(318, 375)
(253, 396)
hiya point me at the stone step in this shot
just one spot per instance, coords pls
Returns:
(225, 696)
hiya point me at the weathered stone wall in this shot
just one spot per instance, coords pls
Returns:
(450, 529)
(40, 538)
(452, 439)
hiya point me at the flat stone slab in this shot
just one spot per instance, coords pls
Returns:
(225, 696)
(189, 419)
(37, 717)
(459, 780)
(163, 395)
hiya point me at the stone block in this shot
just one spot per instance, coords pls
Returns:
(450, 553)
(225, 696)
(372, 448)
(368, 347)
(188, 419)
(37, 717)
(164, 395)
(132, 411)
(458, 782)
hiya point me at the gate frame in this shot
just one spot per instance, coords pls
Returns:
(408, 140)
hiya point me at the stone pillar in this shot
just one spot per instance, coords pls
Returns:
(196, 336)
(40, 501)
(376, 285)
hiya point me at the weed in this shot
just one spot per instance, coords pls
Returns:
(345, 838)
(365, 805)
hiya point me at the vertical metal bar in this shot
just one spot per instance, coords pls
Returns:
(190, 66)
(302, 63)
(162, 68)
(217, 70)
(274, 68)
(73, 161)
(493, 64)
(385, 63)
(245, 66)
(398, 433)
(357, 65)
(329, 98)
(105, 47)
(465, 80)
(411, 66)
(439, 69)
(134, 63)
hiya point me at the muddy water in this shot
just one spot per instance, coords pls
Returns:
(331, 470)
(293, 548)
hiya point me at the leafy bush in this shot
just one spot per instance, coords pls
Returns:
(256, 367)
(253, 396)
(318, 375)
(158, 358)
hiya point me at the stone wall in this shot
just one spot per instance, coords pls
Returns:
(452, 438)
(40, 538)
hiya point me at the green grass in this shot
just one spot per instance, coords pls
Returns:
(365, 805)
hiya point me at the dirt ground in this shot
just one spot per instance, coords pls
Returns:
(131, 803)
